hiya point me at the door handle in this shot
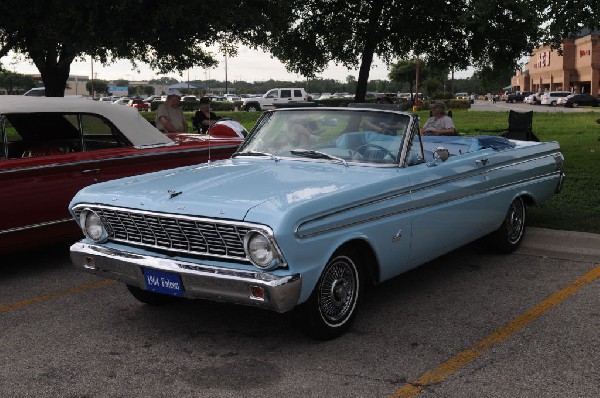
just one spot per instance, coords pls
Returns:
(91, 171)
(482, 162)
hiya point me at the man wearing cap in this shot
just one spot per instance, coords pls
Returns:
(169, 115)
(204, 118)
(439, 123)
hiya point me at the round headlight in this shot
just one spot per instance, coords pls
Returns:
(92, 226)
(260, 250)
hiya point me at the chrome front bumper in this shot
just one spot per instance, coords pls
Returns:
(281, 293)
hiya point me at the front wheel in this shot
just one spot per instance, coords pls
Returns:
(509, 236)
(330, 309)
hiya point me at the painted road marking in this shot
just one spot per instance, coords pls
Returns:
(51, 296)
(463, 358)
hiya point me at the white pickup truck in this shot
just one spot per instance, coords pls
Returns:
(276, 96)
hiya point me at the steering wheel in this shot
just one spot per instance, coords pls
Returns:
(386, 152)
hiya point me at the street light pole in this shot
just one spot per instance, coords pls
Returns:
(226, 83)
(92, 81)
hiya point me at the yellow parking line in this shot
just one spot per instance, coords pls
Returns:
(50, 296)
(465, 357)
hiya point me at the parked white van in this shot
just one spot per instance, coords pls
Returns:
(550, 98)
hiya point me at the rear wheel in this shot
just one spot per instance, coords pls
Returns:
(575, 104)
(509, 236)
(330, 309)
(150, 298)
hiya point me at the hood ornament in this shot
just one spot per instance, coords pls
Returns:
(172, 193)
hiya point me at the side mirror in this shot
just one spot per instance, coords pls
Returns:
(440, 153)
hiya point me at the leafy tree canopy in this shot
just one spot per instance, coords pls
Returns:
(308, 34)
(13, 82)
(169, 36)
(571, 18)
(100, 86)
(164, 80)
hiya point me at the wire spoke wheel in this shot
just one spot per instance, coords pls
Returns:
(331, 307)
(509, 236)
(338, 290)
(515, 221)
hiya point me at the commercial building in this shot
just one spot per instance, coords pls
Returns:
(576, 70)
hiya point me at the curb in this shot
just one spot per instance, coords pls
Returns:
(561, 244)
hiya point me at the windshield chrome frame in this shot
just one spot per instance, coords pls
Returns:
(413, 121)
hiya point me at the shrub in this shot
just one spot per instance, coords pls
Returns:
(192, 106)
(450, 104)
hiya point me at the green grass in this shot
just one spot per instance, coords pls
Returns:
(577, 207)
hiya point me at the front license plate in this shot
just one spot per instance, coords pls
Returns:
(163, 282)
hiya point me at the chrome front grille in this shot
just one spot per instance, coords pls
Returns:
(215, 238)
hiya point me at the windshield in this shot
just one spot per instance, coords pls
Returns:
(349, 135)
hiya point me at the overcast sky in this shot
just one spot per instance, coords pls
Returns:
(249, 65)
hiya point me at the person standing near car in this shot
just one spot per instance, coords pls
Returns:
(169, 115)
(204, 118)
(439, 123)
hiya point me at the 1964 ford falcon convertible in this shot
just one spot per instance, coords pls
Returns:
(316, 204)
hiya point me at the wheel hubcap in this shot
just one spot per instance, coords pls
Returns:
(515, 221)
(338, 291)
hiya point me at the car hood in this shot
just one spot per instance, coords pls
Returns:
(230, 189)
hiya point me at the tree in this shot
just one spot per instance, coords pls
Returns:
(432, 86)
(570, 18)
(14, 81)
(308, 34)
(405, 71)
(100, 86)
(53, 33)
(148, 90)
(165, 81)
(491, 80)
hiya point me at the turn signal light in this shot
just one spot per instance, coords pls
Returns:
(257, 292)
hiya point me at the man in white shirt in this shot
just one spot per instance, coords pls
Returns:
(169, 115)
(439, 123)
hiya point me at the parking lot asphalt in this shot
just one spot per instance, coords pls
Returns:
(503, 106)
(469, 324)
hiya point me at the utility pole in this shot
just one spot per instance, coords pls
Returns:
(226, 83)
(92, 81)
(416, 101)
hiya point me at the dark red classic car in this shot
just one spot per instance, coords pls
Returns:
(52, 147)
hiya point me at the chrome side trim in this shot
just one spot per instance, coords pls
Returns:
(151, 146)
(33, 226)
(199, 280)
(391, 214)
(83, 162)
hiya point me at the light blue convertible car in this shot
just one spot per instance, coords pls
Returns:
(316, 204)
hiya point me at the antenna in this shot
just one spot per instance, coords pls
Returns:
(209, 138)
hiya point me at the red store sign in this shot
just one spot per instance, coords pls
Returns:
(584, 52)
